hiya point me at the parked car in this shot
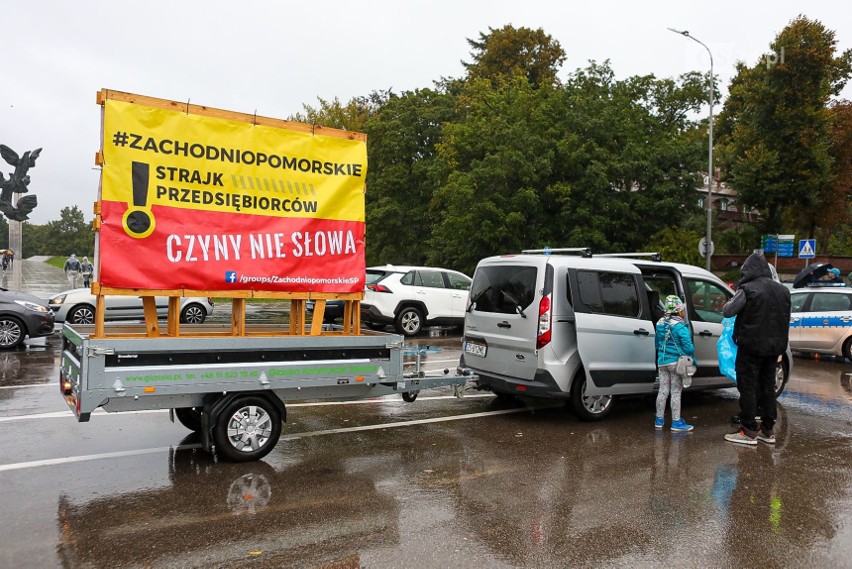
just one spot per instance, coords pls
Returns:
(333, 310)
(22, 315)
(413, 297)
(821, 320)
(77, 306)
(581, 328)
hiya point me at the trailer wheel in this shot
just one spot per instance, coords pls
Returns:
(189, 417)
(247, 429)
(410, 396)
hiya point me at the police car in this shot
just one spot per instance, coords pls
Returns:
(821, 320)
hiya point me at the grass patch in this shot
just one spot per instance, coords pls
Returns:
(58, 262)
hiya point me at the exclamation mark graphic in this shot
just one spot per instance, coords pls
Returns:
(138, 221)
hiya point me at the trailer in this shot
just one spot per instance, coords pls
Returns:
(232, 391)
(197, 201)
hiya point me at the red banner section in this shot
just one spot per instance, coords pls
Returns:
(210, 250)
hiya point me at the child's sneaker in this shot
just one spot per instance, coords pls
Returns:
(659, 422)
(741, 437)
(680, 425)
(765, 436)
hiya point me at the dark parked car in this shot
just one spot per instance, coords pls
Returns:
(22, 315)
(333, 310)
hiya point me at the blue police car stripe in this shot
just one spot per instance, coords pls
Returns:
(822, 322)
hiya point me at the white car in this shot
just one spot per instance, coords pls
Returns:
(77, 306)
(413, 297)
(821, 320)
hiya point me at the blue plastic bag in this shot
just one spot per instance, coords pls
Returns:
(727, 349)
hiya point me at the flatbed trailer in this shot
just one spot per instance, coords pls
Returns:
(232, 390)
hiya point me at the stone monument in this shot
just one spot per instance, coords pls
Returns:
(15, 207)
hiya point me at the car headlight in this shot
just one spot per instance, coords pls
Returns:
(32, 305)
(58, 299)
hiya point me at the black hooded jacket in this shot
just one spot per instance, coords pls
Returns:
(763, 323)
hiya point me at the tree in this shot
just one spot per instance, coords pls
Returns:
(597, 162)
(403, 136)
(69, 234)
(503, 54)
(775, 128)
(835, 221)
(351, 116)
(671, 243)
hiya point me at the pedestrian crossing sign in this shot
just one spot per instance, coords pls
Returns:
(807, 248)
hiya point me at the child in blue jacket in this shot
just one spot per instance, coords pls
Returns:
(673, 339)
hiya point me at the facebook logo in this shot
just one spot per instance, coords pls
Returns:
(230, 276)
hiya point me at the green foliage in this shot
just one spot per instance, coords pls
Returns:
(596, 162)
(403, 136)
(775, 143)
(502, 55)
(677, 245)
(69, 234)
(333, 114)
(738, 239)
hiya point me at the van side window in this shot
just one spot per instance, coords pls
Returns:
(609, 293)
(707, 300)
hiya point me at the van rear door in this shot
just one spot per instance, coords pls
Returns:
(615, 335)
(501, 325)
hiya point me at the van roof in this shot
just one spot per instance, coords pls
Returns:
(573, 261)
(623, 264)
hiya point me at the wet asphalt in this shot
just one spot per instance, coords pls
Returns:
(441, 482)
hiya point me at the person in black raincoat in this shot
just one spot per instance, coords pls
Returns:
(761, 332)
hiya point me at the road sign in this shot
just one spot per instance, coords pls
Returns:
(702, 247)
(807, 248)
(786, 245)
(770, 243)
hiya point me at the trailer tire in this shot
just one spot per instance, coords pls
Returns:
(410, 396)
(189, 417)
(247, 429)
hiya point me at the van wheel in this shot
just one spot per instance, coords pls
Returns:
(247, 429)
(589, 407)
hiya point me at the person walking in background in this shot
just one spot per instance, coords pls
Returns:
(86, 268)
(72, 269)
(761, 332)
(673, 339)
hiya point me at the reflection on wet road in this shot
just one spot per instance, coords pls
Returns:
(440, 482)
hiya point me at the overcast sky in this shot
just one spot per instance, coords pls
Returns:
(273, 57)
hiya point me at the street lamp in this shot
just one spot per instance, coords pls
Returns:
(709, 238)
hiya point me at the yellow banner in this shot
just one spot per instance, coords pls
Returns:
(206, 163)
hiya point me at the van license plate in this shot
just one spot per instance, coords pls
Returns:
(475, 349)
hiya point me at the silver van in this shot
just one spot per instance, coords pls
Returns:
(581, 327)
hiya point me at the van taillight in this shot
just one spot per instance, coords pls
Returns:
(544, 318)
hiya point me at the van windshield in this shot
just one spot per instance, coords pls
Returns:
(503, 289)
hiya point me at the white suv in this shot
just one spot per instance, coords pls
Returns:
(413, 297)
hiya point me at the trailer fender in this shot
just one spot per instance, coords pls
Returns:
(213, 405)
